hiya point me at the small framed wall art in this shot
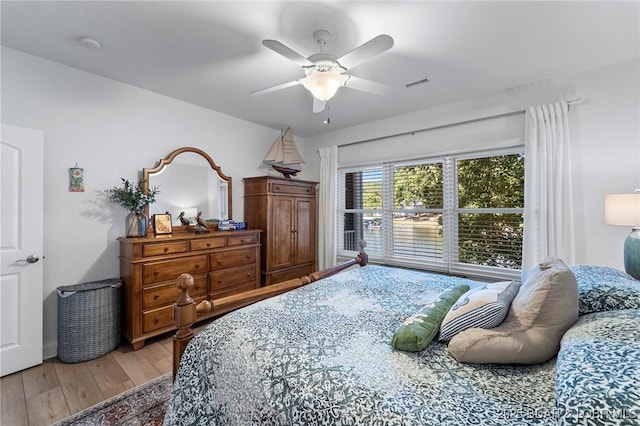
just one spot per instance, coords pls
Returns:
(76, 179)
(162, 224)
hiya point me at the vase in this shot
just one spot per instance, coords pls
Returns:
(136, 224)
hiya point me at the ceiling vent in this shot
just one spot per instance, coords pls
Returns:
(417, 82)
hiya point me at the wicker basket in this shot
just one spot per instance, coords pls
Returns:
(88, 320)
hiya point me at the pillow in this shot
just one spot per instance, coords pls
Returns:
(544, 308)
(419, 329)
(601, 288)
(481, 307)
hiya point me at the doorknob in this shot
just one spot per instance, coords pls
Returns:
(30, 259)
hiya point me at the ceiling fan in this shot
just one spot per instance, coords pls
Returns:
(325, 74)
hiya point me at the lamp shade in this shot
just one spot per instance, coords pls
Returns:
(323, 85)
(622, 209)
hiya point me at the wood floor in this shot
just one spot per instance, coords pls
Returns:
(44, 394)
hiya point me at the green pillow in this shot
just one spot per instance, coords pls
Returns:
(420, 328)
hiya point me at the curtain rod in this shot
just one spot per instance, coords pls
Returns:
(576, 101)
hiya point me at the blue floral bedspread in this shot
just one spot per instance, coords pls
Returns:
(598, 370)
(320, 355)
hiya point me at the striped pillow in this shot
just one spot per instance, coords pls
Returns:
(484, 306)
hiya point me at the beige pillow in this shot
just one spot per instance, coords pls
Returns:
(544, 308)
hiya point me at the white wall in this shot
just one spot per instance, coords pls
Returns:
(604, 131)
(112, 130)
(607, 132)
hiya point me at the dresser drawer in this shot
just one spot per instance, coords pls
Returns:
(228, 291)
(231, 258)
(239, 240)
(167, 294)
(169, 270)
(161, 317)
(293, 189)
(231, 277)
(157, 249)
(208, 243)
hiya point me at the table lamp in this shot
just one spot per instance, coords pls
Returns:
(624, 210)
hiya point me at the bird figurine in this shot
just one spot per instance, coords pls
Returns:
(201, 226)
(183, 220)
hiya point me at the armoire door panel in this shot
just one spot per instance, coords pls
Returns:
(281, 232)
(305, 220)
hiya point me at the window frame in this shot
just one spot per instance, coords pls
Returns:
(450, 210)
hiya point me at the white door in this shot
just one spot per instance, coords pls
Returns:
(21, 217)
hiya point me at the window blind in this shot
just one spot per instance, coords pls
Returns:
(459, 214)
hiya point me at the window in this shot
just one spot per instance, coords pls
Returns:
(362, 209)
(458, 214)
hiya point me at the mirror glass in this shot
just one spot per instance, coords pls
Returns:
(189, 181)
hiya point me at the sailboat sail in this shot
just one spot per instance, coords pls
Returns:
(284, 156)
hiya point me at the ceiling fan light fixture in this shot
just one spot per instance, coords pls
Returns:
(325, 73)
(323, 85)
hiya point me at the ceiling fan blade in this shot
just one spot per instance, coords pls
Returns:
(363, 85)
(318, 105)
(276, 87)
(366, 51)
(287, 52)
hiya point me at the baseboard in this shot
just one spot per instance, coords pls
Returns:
(50, 350)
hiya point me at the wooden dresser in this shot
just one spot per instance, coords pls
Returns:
(222, 264)
(285, 209)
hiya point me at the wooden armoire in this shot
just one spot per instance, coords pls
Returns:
(286, 211)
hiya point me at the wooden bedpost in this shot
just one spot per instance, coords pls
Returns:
(363, 257)
(185, 314)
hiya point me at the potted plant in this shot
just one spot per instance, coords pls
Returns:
(135, 199)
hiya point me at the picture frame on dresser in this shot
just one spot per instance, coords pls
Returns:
(162, 224)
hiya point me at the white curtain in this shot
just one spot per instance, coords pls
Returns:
(548, 212)
(327, 251)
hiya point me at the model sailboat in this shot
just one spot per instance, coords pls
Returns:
(284, 156)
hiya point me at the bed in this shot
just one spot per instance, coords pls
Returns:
(320, 355)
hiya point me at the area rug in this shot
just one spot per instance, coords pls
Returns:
(140, 406)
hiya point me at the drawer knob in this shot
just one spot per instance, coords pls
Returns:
(219, 281)
(219, 261)
(155, 273)
(208, 244)
(248, 274)
(156, 296)
(241, 240)
(155, 321)
(248, 257)
(166, 249)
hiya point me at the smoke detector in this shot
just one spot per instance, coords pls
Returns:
(91, 43)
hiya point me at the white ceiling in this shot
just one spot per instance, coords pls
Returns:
(209, 53)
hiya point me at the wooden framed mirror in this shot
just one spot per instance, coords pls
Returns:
(189, 181)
